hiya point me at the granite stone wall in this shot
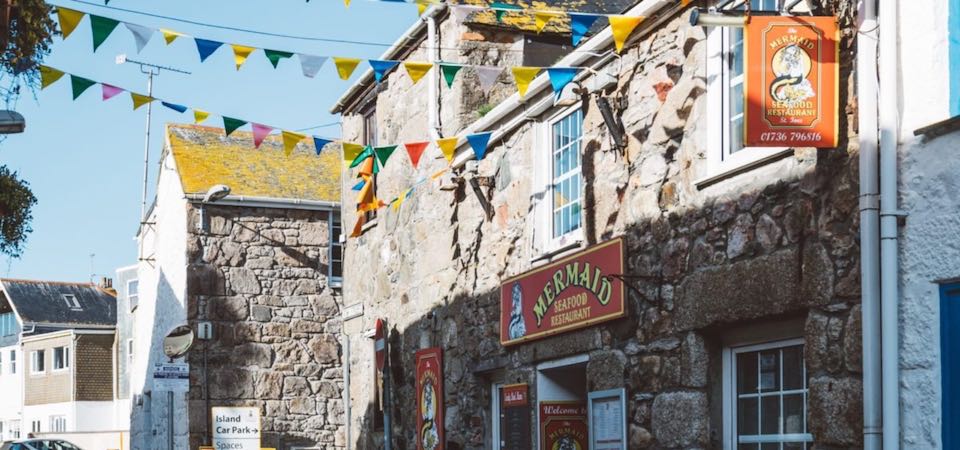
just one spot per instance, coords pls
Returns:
(260, 276)
(768, 252)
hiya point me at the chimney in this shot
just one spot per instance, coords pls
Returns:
(106, 283)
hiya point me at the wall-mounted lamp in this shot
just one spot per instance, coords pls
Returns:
(214, 194)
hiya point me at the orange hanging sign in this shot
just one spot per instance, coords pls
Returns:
(792, 76)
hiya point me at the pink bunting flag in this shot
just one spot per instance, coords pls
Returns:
(260, 132)
(110, 91)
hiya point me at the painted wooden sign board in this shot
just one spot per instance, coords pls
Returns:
(563, 425)
(792, 81)
(430, 432)
(515, 417)
(575, 292)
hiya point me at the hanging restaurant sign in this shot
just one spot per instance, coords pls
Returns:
(430, 399)
(575, 292)
(792, 76)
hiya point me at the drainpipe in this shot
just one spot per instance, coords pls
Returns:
(867, 88)
(433, 95)
(889, 214)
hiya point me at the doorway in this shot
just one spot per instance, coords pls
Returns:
(562, 421)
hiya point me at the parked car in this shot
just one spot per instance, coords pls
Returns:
(39, 444)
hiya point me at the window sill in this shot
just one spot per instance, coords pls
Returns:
(734, 170)
(549, 255)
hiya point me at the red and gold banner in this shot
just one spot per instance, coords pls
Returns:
(430, 399)
(575, 292)
(516, 395)
(791, 78)
(563, 426)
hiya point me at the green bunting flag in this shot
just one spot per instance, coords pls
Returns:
(79, 85)
(450, 72)
(102, 27)
(383, 153)
(230, 124)
(366, 153)
(275, 56)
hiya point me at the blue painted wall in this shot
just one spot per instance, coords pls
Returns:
(950, 363)
(953, 27)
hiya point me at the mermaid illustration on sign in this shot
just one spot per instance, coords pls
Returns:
(429, 436)
(566, 443)
(516, 329)
(791, 64)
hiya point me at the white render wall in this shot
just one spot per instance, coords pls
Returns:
(930, 240)
(161, 308)
(81, 416)
(11, 391)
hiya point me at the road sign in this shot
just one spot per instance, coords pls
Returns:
(352, 312)
(172, 377)
(236, 428)
(380, 343)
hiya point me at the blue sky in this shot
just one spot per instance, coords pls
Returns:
(84, 158)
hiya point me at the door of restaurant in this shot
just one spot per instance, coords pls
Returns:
(562, 422)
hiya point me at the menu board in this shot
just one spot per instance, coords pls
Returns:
(608, 420)
(515, 417)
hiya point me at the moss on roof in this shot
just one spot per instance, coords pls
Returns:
(525, 21)
(206, 157)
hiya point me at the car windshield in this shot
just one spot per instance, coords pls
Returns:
(44, 445)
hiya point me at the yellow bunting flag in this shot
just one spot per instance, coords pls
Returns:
(399, 201)
(199, 116)
(241, 53)
(346, 3)
(290, 141)
(351, 151)
(346, 66)
(449, 147)
(622, 27)
(417, 70)
(48, 76)
(438, 174)
(542, 18)
(140, 100)
(421, 8)
(69, 19)
(523, 76)
(169, 35)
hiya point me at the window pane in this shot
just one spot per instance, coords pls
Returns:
(770, 414)
(769, 370)
(747, 416)
(794, 446)
(746, 373)
(793, 414)
(793, 368)
(748, 447)
(770, 446)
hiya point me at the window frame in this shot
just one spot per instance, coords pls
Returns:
(721, 159)
(129, 351)
(63, 360)
(334, 222)
(38, 359)
(60, 420)
(370, 138)
(35, 426)
(495, 438)
(133, 300)
(72, 302)
(547, 244)
(13, 362)
(730, 386)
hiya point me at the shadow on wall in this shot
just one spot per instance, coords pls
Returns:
(789, 251)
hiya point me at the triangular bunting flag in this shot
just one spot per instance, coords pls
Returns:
(69, 19)
(488, 77)
(260, 132)
(523, 76)
(79, 85)
(380, 68)
(290, 141)
(579, 26)
(169, 35)
(102, 27)
(560, 77)
(359, 186)
(361, 221)
(48, 76)
(139, 100)
(449, 147)
(276, 55)
(346, 3)
(311, 64)
(109, 91)
(345, 66)
(206, 48)
(367, 163)
(542, 18)
(450, 72)
(415, 150)
(199, 116)
(362, 156)
(230, 124)
(479, 142)
(383, 153)
(351, 151)
(622, 27)
(417, 70)
(241, 53)
(178, 108)
(421, 8)
(141, 35)
(684, 3)
(320, 143)
(501, 8)
(438, 174)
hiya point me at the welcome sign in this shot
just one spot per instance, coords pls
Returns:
(792, 75)
(575, 292)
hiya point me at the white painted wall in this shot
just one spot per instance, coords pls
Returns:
(11, 390)
(162, 307)
(930, 194)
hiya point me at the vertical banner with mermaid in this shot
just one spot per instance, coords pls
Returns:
(792, 76)
(430, 399)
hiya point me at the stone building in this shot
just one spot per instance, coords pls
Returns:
(260, 267)
(742, 272)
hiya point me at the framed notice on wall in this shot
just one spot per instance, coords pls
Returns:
(430, 399)
(792, 81)
(515, 415)
(608, 420)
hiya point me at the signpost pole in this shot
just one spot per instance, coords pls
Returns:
(170, 420)
(387, 401)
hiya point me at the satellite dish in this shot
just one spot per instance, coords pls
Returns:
(178, 342)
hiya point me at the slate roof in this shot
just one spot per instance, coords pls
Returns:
(524, 21)
(42, 302)
(206, 157)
